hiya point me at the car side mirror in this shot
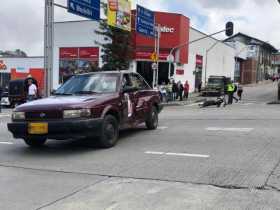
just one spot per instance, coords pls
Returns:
(129, 89)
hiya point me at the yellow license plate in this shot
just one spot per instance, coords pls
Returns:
(38, 128)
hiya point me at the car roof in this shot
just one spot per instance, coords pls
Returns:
(109, 72)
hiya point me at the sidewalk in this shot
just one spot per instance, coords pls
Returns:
(193, 98)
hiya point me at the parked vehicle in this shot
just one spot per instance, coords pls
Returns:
(5, 99)
(91, 106)
(18, 91)
(216, 86)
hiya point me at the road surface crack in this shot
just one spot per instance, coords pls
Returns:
(71, 194)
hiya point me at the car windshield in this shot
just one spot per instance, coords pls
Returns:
(215, 81)
(89, 84)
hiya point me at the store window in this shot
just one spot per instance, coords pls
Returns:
(77, 60)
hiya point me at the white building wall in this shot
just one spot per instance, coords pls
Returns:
(74, 34)
(220, 59)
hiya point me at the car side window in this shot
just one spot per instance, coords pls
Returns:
(138, 82)
(126, 82)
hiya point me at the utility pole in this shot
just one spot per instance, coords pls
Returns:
(48, 45)
(158, 51)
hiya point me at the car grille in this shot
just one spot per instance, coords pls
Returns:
(44, 115)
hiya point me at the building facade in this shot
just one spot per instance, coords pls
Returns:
(258, 63)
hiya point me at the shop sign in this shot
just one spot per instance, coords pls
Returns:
(119, 14)
(180, 72)
(68, 52)
(199, 60)
(166, 29)
(89, 53)
(2, 65)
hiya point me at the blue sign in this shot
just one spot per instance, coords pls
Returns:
(85, 8)
(145, 21)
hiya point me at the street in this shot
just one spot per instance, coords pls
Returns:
(211, 158)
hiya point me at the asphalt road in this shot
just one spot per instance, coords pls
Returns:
(212, 158)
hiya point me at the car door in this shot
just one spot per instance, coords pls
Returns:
(128, 102)
(141, 96)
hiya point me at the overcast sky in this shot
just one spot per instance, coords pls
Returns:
(22, 21)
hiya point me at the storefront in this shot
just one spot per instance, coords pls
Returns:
(76, 50)
(174, 32)
(20, 68)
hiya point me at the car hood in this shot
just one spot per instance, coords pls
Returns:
(63, 102)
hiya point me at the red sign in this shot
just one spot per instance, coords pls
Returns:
(199, 60)
(68, 52)
(89, 53)
(174, 31)
(180, 72)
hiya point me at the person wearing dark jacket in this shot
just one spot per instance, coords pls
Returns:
(174, 91)
(180, 90)
(1, 90)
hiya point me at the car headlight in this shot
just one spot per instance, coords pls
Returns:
(18, 116)
(78, 113)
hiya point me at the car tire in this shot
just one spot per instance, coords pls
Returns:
(152, 119)
(35, 142)
(110, 132)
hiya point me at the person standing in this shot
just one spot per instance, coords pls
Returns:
(32, 91)
(234, 91)
(180, 90)
(230, 92)
(169, 91)
(1, 90)
(239, 91)
(199, 86)
(186, 90)
(174, 91)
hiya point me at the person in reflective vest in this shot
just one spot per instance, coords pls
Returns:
(230, 92)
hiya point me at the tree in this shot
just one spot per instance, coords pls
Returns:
(117, 46)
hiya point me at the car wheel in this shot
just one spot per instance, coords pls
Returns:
(110, 132)
(35, 141)
(152, 120)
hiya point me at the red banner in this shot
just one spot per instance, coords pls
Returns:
(199, 60)
(68, 52)
(180, 72)
(91, 53)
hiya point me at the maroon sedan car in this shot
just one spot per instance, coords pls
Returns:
(93, 106)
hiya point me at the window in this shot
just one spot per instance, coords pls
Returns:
(87, 84)
(138, 82)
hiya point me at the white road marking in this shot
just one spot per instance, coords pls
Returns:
(154, 153)
(6, 142)
(230, 129)
(162, 127)
(5, 115)
(177, 154)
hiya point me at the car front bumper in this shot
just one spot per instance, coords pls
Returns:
(61, 130)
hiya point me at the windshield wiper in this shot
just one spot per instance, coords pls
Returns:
(86, 92)
(63, 94)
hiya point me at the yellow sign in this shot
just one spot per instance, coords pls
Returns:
(119, 14)
(154, 57)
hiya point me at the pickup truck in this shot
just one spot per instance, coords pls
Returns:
(94, 106)
(216, 86)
